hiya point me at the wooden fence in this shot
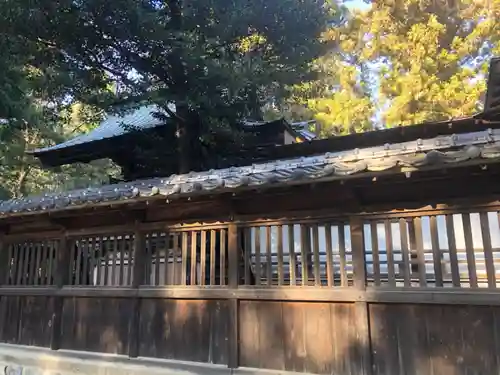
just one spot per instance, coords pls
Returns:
(387, 293)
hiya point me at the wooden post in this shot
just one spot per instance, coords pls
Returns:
(60, 279)
(358, 253)
(361, 310)
(233, 303)
(4, 261)
(137, 280)
(4, 277)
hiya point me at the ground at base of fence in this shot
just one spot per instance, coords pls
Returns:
(19, 360)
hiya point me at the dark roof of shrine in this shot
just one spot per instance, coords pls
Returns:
(452, 150)
(143, 118)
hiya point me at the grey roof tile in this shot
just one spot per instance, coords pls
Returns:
(479, 146)
(114, 125)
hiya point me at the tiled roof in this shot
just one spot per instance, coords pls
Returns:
(141, 118)
(113, 126)
(478, 147)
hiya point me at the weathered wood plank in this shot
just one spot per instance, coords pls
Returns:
(469, 248)
(436, 252)
(488, 252)
(343, 260)
(390, 253)
(375, 253)
(405, 252)
(315, 248)
(291, 250)
(280, 255)
(329, 255)
(452, 247)
(358, 252)
(419, 242)
(258, 272)
(269, 258)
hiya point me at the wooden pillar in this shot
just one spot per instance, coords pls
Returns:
(361, 308)
(233, 303)
(4, 277)
(4, 261)
(137, 280)
(60, 279)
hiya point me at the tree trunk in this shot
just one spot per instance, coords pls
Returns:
(187, 127)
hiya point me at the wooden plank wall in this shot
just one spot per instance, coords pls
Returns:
(26, 320)
(306, 337)
(373, 294)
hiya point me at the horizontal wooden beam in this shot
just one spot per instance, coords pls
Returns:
(445, 296)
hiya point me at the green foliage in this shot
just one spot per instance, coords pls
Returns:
(403, 62)
(217, 60)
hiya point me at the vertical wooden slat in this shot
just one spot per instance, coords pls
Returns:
(291, 252)
(469, 248)
(358, 252)
(390, 253)
(257, 255)
(113, 261)
(269, 262)
(63, 256)
(10, 261)
(176, 238)
(138, 278)
(168, 238)
(232, 249)
(20, 264)
(375, 253)
(488, 252)
(98, 262)
(5, 258)
(184, 250)
(38, 251)
(46, 259)
(304, 252)
(86, 255)
(123, 248)
(223, 250)
(194, 237)
(128, 246)
(279, 228)
(213, 240)
(405, 252)
(26, 264)
(233, 269)
(329, 254)
(436, 252)
(452, 247)
(417, 224)
(315, 245)
(32, 268)
(362, 329)
(247, 251)
(343, 259)
(157, 248)
(103, 262)
(15, 263)
(203, 256)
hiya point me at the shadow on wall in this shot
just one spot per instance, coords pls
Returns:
(324, 338)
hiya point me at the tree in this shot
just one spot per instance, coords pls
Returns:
(339, 97)
(404, 62)
(217, 60)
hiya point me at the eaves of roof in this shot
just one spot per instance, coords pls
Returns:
(450, 150)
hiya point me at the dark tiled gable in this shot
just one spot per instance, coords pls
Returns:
(453, 150)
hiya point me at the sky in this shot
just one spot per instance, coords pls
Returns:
(357, 4)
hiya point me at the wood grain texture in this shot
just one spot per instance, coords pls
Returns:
(424, 339)
(96, 324)
(301, 337)
(184, 330)
(27, 320)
